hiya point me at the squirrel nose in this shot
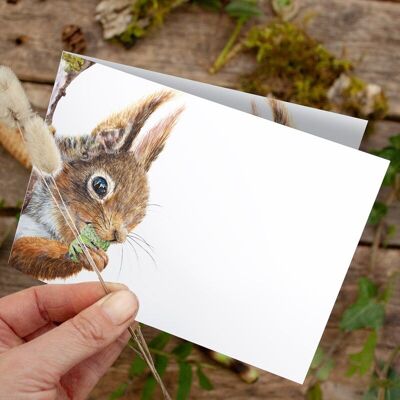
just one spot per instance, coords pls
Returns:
(120, 235)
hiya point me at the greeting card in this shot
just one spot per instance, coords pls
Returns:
(233, 217)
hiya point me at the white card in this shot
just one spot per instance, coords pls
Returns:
(252, 224)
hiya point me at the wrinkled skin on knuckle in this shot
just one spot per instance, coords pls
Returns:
(90, 332)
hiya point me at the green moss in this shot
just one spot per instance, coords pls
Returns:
(356, 100)
(381, 106)
(291, 65)
(72, 62)
(146, 15)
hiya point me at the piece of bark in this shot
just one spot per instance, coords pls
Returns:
(114, 16)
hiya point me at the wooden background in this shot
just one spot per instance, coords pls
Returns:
(368, 31)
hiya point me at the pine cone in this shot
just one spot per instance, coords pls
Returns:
(73, 39)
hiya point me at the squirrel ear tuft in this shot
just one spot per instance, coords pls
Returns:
(119, 130)
(151, 145)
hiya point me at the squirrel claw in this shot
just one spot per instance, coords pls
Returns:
(99, 257)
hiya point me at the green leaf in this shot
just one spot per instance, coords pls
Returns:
(390, 234)
(368, 315)
(391, 153)
(366, 312)
(184, 381)
(379, 210)
(119, 392)
(204, 381)
(362, 361)
(393, 388)
(161, 363)
(160, 341)
(366, 289)
(325, 369)
(318, 357)
(314, 392)
(244, 9)
(322, 365)
(137, 367)
(395, 141)
(183, 350)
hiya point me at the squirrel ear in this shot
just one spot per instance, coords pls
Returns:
(151, 145)
(118, 131)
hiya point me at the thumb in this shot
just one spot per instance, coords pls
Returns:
(84, 335)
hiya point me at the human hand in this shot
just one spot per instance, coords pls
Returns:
(56, 341)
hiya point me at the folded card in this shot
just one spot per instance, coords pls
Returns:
(235, 231)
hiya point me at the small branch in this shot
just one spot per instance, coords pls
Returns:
(226, 53)
(331, 351)
(62, 91)
(392, 357)
(189, 360)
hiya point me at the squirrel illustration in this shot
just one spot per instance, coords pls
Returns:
(103, 182)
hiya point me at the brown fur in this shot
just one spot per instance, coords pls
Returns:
(124, 162)
(48, 259)
(280, 113)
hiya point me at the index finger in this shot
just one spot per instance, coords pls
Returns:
(29, 310)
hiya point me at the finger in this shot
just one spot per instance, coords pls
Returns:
(89, 332)
(27, 311)
(41, 331)
(81, 380)
(8, 338)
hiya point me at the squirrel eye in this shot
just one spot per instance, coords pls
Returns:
(100, 186)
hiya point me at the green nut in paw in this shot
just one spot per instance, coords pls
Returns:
(90, 239)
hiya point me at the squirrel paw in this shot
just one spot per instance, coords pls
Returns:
(99, 257)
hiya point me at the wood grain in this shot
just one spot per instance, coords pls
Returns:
(191, 38)
(13, 180)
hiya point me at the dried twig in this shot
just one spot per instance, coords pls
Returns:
(60, 88)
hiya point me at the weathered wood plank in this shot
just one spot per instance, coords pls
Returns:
(39, 96)
(269, 386)
(192, 37)
(13, 180)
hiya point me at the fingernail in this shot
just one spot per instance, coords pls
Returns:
(120, 306)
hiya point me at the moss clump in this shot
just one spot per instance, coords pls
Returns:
(291, 65)
(362, 99)
(72, 63)
(146, 15)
